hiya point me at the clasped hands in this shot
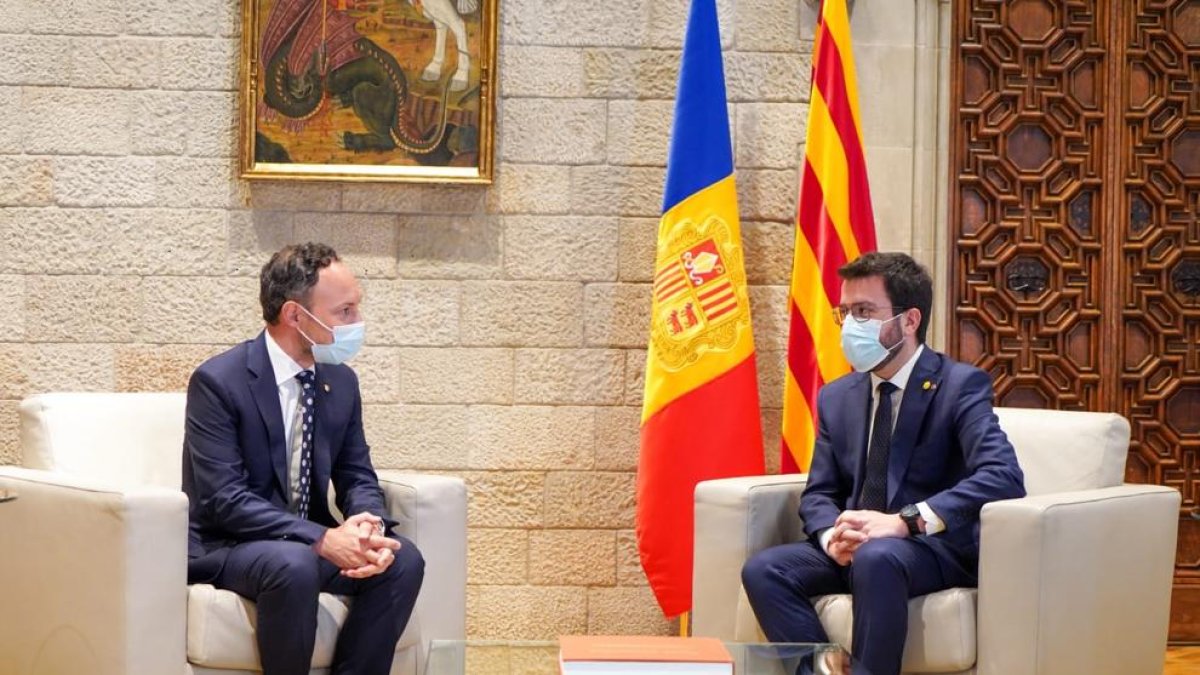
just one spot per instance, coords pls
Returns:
(359, 546)
(854, 528)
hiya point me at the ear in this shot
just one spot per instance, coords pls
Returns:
(289, 314)
(912, 321)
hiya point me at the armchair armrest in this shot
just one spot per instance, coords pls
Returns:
(432, 512)
(736, 518)
(94, 578)
(1077, 582)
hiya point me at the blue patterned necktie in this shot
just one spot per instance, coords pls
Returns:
(304, 407)
(874, 489)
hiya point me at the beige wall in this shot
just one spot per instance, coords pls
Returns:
(506, 323)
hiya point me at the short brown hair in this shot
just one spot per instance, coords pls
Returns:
(290, 274)
(907, 282)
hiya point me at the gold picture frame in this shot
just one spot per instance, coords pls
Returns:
(368, 90)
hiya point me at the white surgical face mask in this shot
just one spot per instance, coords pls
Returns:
(861, 345)
(347, 341)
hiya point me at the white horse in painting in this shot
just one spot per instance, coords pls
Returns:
(445, 16)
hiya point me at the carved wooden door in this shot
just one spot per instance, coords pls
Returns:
(1075, 246)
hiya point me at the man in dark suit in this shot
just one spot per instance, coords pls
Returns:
(269, 424)
(908, 451)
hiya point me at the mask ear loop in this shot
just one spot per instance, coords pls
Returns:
(898, 342)
(305, 336)
(314, 318)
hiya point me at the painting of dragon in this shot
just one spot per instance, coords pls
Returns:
(386, 89)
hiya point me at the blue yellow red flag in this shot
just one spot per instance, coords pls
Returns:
(700, 415)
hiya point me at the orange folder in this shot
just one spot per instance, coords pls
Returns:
(642, 655)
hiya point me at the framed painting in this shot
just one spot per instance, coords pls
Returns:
(368, 90)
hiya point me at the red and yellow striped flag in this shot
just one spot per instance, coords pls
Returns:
(700, 416)
(834, 225)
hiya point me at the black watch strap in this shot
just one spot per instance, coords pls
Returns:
(909, 514)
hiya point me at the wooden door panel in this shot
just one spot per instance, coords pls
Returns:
(1029, 157)
(1159, 268)
(1075, 166)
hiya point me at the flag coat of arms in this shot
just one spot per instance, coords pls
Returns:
(700, 416)
(834, 225)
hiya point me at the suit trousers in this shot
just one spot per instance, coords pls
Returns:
(283, 578)
(781, 581)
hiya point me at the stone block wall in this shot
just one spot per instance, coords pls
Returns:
(506, 323)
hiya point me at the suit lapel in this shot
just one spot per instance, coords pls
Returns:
(859, 399)
(918, 394)
(322, 457)
(266, 396)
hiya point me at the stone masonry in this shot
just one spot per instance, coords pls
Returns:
(506, 323)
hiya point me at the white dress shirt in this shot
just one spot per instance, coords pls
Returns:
(933, 524)
(286, 369)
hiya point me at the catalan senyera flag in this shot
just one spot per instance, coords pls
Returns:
(834, 225)
(700, 416)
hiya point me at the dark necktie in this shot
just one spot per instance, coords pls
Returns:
(874, 489)
(304, 409)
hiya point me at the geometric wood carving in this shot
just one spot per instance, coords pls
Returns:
(1160, 258)
(1075, 225)
(1029, 159)
(1160, 267)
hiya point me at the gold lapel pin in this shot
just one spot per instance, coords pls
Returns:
(928, 386)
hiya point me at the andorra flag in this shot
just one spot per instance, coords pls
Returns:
(700, 417)
(834, 225)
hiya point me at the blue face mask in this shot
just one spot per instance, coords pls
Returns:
(347, 341)
(861, 345)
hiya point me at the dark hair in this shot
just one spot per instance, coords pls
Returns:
(908, 284)
(290, 274)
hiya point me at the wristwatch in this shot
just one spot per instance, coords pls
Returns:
(909, 514)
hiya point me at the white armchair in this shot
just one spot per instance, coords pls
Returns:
(1073, 579)
(93, 552)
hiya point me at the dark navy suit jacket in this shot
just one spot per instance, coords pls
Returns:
(235, 469)
(947, 450)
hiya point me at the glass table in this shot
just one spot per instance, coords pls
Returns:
(482, 657)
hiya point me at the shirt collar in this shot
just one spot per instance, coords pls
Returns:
(900, 379)
(285, 367)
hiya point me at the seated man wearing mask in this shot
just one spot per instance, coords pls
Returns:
(269, 424)
(908, 451)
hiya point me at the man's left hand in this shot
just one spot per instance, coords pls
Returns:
(874, 524)
(381, 559)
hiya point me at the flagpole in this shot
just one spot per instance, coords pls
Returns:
(683, 624)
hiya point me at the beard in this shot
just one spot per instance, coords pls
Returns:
(891, 337)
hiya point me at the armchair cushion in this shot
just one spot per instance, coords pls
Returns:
(124, 440)
(1088, 449)
(221, 629)
(941, 629)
